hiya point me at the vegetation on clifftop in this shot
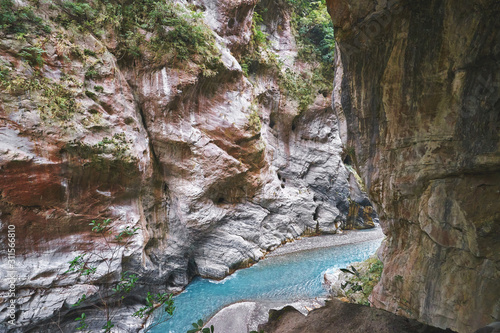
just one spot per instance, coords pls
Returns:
(313, 32)
(314, 28)
(163, 31)
(20, 21)
(167, 30)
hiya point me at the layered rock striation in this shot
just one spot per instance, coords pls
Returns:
(213, 166)
(417, 95)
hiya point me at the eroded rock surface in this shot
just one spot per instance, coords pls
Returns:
(417, 95)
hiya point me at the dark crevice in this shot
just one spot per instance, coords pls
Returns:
(316, 213)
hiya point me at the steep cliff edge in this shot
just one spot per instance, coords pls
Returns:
(195, 121)
(417, 94)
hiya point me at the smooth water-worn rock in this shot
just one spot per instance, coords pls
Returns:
(417, 96)
(246, 316)
(214, 170)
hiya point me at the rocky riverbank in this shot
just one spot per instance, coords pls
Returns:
(318, 315)
(338, 316)
(342, 238)
(246, 316)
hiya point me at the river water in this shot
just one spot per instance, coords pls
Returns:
(287, 277)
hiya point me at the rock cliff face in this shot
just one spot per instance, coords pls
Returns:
(417, 95)
(215, 167)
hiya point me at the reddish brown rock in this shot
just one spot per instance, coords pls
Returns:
(416, 91)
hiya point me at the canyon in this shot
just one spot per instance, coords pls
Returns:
(212, 164)
(212, 127)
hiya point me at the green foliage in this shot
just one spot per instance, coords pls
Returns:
(110, 296)
(4, 75)
(198, 327)
(91, 73)
(20, 20)
(61, 102)
(376, 267)
(314, 28)
(55, 101)
(131, 44)
(80, 10)
(100, 226)
(187, 38)
(258, 54)
(363, 282)
(126, 284)
(33, 55)
(76, 264)
(82, 322)
(118, 146)
(353, 272)
(298, 87)
(315, 40)
(108, 326)
(152, 303)
(90, 53)
(258, 36)
(108, 153)
(127, 232)
(245, 67)
(312, 24)
(349, 150)
(254, 123)
(179, 33)
(80, 300)
(151, 300)
(91, 95)
(99, 89)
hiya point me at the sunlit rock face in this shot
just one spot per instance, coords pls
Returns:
(215, 171)
(417, 96)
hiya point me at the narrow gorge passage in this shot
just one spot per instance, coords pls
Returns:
(148, 144)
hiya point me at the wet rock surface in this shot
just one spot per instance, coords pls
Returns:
(416, 93)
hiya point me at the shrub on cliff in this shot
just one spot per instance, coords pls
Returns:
(178, 32)
(314, 28)
(314, 36)
(19, 20)
(108, 247)
(358, 281)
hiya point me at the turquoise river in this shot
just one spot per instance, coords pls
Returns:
(286, 277)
